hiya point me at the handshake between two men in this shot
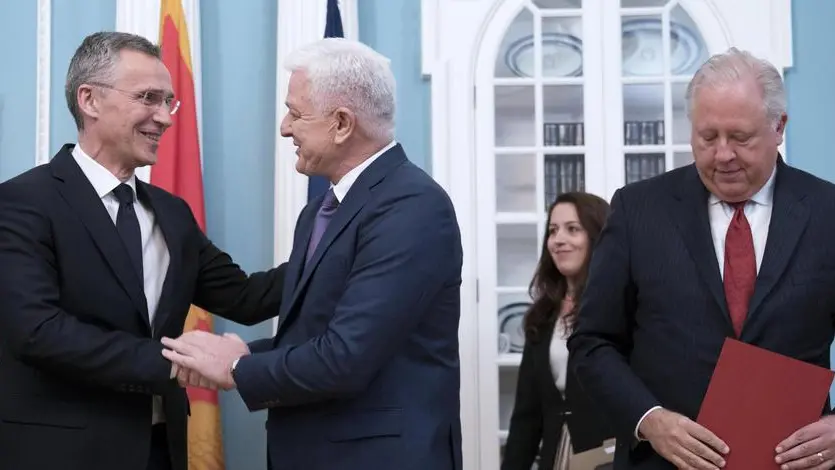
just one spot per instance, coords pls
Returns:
(205, 360)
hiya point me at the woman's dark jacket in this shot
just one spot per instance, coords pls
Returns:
(540, 410)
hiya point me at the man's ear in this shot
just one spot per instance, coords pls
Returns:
(346, 123)
(89, 102)
(781, 128)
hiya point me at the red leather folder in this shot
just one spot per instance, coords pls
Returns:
(757, 398)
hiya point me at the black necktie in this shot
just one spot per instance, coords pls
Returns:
(128, 226)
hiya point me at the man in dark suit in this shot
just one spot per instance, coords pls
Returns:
(363, 372)
(97, 266)
(732, 246)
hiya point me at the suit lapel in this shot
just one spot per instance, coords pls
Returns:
(172, 232)
(789, 217)
(80, 195)
(297, 256)
(348, 209)
(692, 219)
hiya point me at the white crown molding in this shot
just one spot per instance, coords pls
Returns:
(300, 22)
(43, 86)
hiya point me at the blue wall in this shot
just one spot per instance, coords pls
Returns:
(392, 27)
(811, 97)
(239, 121)
(66, 37)
(17, 87)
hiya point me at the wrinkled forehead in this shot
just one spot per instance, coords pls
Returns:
(138, 71)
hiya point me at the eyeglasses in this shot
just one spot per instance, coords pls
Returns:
(149, 98)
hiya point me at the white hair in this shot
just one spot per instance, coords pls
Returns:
(348, 73)
(733, 65)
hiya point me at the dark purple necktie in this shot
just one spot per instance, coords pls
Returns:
(323, 217)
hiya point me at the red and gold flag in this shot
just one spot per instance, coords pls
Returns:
(179, 171)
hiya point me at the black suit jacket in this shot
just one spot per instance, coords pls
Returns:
(654, 317)
(540, 411)
(78, 360)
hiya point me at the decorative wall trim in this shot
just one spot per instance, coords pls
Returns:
(453, 113)
(43, 86)
(781, 40)
(781, 46)
(429, 35)
(299, 22)
(350, 18)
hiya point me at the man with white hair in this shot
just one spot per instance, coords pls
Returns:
(363, 372)
(734, 245)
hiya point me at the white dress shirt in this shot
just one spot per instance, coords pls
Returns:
(758, 213)
(155, 256)
(340, 189)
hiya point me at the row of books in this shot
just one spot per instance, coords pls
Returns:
(558, 134)
(566, 173)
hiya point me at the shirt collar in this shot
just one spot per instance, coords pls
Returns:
(103, 181)
(340, 189)
(763, 197)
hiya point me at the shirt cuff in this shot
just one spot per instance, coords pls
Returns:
(638, 426)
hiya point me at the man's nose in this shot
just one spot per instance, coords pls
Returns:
(725, 152)
(163, 117)
(284, 129)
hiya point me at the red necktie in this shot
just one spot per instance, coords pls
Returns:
(740, 266)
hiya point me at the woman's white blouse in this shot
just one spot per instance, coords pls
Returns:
(559, 355)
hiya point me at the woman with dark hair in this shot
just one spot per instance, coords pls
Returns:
(547, 395)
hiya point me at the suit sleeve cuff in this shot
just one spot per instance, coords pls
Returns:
(255, 382)
(260, 345)
(638, 435)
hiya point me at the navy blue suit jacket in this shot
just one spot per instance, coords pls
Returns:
(653, 317)
(363, 372)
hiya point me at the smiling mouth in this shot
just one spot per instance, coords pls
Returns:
(153, 136)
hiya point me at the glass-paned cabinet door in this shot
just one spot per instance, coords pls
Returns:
(661, 49)
(539, 153)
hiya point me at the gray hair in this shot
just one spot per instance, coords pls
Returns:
(95, 61)
(348, 73)
(735, 64)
